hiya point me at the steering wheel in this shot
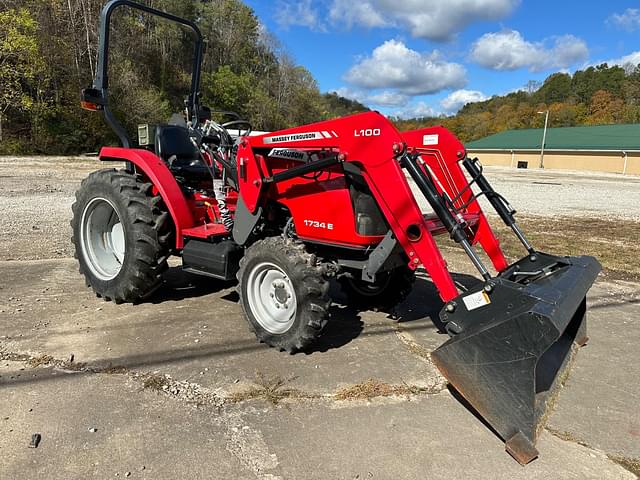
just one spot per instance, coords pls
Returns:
(236, 124)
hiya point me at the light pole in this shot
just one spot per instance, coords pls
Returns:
(544, 137)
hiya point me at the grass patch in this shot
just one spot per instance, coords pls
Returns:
(40, 360)
(613, 242)
(373, 388)
(270, 389)
(631, 464)
(155, 382)
(115, 370)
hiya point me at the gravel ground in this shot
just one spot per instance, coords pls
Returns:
(564, 194)
(36, 194)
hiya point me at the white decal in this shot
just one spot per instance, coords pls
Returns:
(369, 132)
(476, 300)
(289, 154)
(431, 139)
(295, 137)
(317, 224)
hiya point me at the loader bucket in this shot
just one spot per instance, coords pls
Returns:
(512, 339)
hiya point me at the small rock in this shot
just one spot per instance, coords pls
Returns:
(128, 474)
(35, 440)
(206, 369)
(142, 467)
(236, 380)
(196, 340)
(93, 430)
(98, 309)
(201, 373)
(71, 358)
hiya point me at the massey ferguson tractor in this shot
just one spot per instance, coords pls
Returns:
(286, 212)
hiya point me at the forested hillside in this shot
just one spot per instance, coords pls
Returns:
(595, 96)
(48, 54)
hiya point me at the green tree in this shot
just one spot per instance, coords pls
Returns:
(20, 64)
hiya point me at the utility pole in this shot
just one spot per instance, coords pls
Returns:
(544, 137)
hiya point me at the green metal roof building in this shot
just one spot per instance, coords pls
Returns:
(607, 148)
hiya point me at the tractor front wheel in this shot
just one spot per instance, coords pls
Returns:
(284, 293)
(120, 234)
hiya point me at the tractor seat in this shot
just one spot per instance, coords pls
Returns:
(174, 146)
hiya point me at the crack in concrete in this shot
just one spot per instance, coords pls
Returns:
(630, 464)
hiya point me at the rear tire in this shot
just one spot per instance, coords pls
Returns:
(284, 293)
(121, 235)
(390, 289)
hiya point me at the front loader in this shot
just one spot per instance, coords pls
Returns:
(286, 212)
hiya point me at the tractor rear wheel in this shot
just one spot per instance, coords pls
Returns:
(390, 289)
(120, 234)
(284, 293)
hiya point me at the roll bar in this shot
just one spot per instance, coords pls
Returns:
(96, 98)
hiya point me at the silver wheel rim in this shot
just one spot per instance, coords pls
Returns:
(102, 238)
(271, 298)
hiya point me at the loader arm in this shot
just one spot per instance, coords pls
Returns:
(371, 142)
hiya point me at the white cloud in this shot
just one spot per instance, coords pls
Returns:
(508, 50)
(385, 98)
(431, 19)
(631, 60)
(394, 66)
(458, 99)
(416, 110)
(356, 13)
(629, 20)
(388, 99)
(299, 13)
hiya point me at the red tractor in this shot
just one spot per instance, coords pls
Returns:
(285, 212)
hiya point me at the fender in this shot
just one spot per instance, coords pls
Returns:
(162, 178)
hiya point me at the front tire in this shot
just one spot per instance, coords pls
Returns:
(284, 293)
(120, 234)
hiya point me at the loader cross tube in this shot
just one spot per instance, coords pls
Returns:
(303, 169)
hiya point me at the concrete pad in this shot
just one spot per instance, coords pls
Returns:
(189, 325)
(46, 309)
(431, 437)
(599, 404)
(137, 432)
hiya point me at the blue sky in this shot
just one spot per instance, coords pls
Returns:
(420, 57)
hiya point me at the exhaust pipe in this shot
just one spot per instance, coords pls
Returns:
(511, 340)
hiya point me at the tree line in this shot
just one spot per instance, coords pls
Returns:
(48, 51)
(598, 95)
